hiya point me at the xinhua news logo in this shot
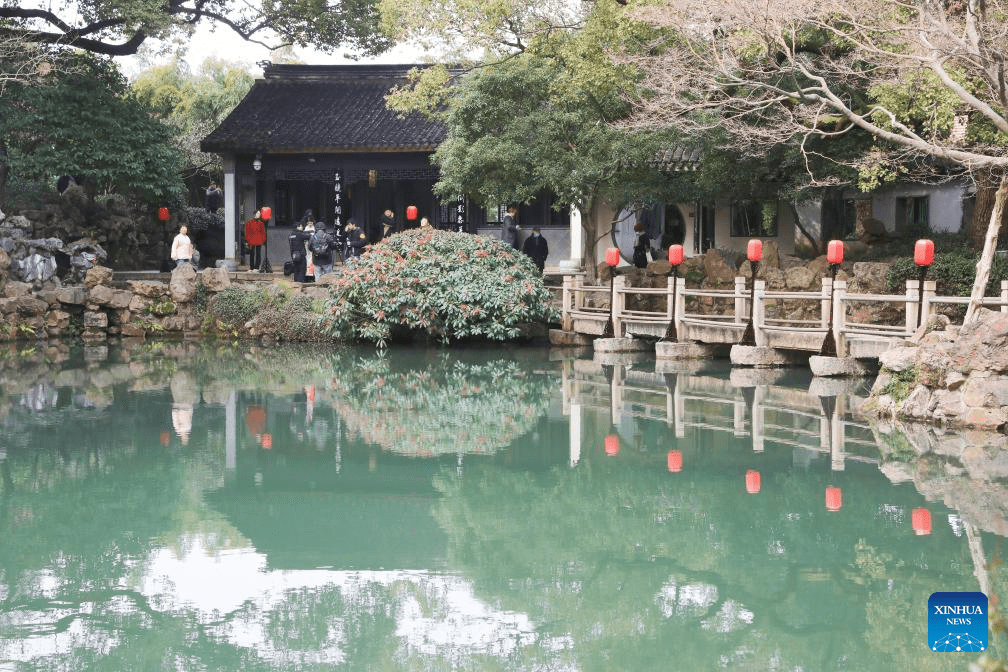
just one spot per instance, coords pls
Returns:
(957, 622)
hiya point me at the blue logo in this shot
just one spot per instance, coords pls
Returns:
(957, 622)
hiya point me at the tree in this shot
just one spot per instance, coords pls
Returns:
(193, 104)
(120, 28)
(82, 121)
(926, 80)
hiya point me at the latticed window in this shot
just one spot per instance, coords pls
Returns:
(753, 218)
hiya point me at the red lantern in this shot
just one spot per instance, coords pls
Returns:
(266, 213)
(267, 441)
(163, 214)
(411, 213)
(612, 445)
(834, 499)
(612, 256)
(674, 461)
(924, 252)
(834, 252)
(754, 251)
(921, 521)
(752, 481)
(165, 439)
(675, 254)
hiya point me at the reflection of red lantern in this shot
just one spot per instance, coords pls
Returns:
(674, 460)
(754, 251)
(924, 252)
(411, 213)
(752, 481)
(267, 441)
(266, 213)
(163, 214)
(921, 521)
(675, 254)
(834, 252)
(612, 257)
(165, 439)
(834, 499)
(612, 445)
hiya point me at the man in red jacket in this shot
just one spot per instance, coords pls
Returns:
(255, 236)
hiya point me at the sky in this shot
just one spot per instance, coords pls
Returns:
(226, 44)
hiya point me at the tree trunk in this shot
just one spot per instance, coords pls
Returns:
(987, 256)
(864, 213)
(982, 208)
(589, 235)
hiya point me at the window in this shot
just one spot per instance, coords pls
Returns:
(754, 219)
(912, 214)
(495, 214)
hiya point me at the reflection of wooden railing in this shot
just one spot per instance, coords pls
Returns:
(768, 413)
(586, 310)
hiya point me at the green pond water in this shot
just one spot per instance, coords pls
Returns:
(180, 506)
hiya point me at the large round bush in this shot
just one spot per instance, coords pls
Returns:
(448, 285)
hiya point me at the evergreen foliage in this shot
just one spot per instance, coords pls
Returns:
(444, 284)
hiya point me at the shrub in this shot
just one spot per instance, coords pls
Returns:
(448, 285)
(954, 272)
(199, 220)
(272, 310)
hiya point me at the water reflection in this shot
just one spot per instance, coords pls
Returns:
(179, 506)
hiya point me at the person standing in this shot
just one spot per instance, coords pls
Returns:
(255, 236)
(643, 246)
(182, 247)
(510, 228)
(322, 247)
(388, 224)
(356, 240)
(213, 198)
(536, 247)
(425, 223)
(297, 240)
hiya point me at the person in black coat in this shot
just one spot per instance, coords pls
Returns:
(640, 250)
(356, 239)
(297, 239)
(212, 202)
(536, 247)
(388, 224)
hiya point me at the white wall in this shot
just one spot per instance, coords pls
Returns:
(945, 205)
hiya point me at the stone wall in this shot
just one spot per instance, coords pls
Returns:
(104, 307)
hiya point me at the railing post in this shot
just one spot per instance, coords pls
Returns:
(824, 311)
(840, 316)
(566, 297)
(912, 288)
(758, 418)
(619, 305)
(1004, 296)
(759, 313)
(680, 306)
(680, 406)
(741, 314)
(930, 287)
(669, 289)
(578, 293)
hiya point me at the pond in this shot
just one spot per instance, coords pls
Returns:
(184, 506)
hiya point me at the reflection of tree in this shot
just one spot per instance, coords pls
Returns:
(446, 406)
(616, 557)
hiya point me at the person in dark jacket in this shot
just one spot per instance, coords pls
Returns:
(640, 250)
(297, 240)
(388, 224)
(322, 246)
(509, 227)
(356, 239)
(536, 247)
(212, 202)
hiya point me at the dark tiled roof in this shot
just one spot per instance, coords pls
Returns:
(323, 108)
(679, 158)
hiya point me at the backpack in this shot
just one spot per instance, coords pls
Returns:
(319, 243)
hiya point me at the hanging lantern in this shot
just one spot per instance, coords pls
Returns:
(675, 254)
(612, 257)
(924, 252)
(674, 461)
(754, 250)
(267, 213)
(834, 252)
(834, 499)
(921, 521)
(612, 445)
(165, 439)
(163, 214)
(411, 213)
(752, 481)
